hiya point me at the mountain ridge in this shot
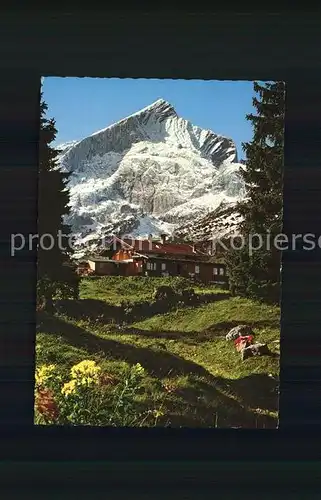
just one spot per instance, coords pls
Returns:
(151, 171)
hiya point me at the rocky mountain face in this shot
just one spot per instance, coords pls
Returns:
(150, 173)
(223, 222)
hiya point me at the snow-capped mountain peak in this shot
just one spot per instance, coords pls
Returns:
(148, 173)
(160, 109)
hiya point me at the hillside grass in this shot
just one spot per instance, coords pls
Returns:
(133, 289)
(209, 325)
(191, 370)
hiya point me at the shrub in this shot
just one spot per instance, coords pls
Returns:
(163, 292)
(189, 295)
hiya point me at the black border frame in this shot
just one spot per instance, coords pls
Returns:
(278, 46)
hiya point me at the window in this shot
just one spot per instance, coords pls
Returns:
(221, 271)
(197, 269)
(215, 270)
(163, 266)
(151, 266)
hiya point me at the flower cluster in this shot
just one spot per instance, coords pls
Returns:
(137, 370)
(91, 396)
(85, 374)
(69, 387)
(85, 368)
(44, 374)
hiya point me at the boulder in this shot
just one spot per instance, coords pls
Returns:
(242, 342)
(255, 350)
(239, 331)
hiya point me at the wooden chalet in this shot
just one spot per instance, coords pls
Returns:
(149, 257)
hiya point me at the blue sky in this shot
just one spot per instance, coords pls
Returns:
(81, 106)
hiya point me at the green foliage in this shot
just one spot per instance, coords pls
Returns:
(192, 375)
(91, 396)
(258, 275)
(55, 273)
(131, 289)
(238, 266)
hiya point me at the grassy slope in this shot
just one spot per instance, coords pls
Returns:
(206, 329)
(117, 289)
(187, 359)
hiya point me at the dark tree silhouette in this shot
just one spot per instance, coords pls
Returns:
(258, 274)
(56, 274)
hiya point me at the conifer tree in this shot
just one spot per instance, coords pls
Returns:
(258, 274)
(56, 274)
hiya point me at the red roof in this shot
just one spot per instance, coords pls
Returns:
(147, 246)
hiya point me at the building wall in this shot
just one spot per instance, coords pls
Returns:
(138, 266)
(128, 269)
(159, 267)
(105, 268)
(186, 270)
(219, 277)
(114, 269)
(206, 272)
(122, 255)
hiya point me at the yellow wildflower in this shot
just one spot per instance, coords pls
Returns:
(138, 369)
(88, 381)
(69, 388)
(44, 373)
(158, 413)
(85, 368)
